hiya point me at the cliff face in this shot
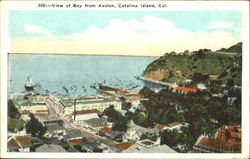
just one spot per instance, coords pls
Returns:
(158, 75)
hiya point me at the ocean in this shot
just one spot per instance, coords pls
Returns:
(75, 75)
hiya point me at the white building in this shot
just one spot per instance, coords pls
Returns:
(90, 121)
(31, 106)
(89, 104)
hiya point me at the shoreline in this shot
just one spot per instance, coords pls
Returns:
(78, 54)
(156, 82)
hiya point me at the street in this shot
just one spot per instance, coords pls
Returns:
(56, 111)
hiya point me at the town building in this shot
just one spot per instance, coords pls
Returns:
(53, 122)
(109, 133)
(185, 89)
(201, 86)
(174, 125)
(35, 107)
(71, 105)
(148, 146)
(213, 76)
(227, 140)
(94, 146)
(134, 132)
(20, 143)
(73, 135)
(160, 127)
(55, 131)
(123, 146)
(90, 121)
(50, 148)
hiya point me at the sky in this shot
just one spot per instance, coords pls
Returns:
(141, 33)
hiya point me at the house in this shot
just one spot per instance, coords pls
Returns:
(148, 146)
(19, 143)
(213, 75)
(160, 127)
(113, 135)
(123, 146)
(176, 125)
(94, 146)
(87, 103)
(135, 101)
(201, 86)
(94, 124)
(90, 121)
(50, 148)
(73, 135)
(226, 140)
(134, 132)
(116, 136)
(185, 89)
(79, 118)
(56, 130)
(188, 80)
(219, 95)
(105, 131)
(72, 149)
(53, 122)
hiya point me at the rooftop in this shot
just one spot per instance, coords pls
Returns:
(175, 124)
(88, 111)
(74, 133)
(55, 127)
(20, 141)
(159, 126)
(214, 144)
(106, 130)
(137, 148)
(95, 122)
(186, 89)
(124, 145)
(85, 116)
(70, 102)
(50, 148)
(25, 102)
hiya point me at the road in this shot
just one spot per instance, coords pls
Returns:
(56, 111)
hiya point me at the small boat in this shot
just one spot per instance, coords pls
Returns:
(29, 84)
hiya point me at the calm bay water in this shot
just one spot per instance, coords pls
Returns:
(75, 74)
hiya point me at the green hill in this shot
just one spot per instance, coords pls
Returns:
(172, 67)
(233, 49)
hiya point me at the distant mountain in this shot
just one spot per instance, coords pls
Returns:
(233, 49)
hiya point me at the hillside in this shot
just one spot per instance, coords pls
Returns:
(233, 49)
(172, 67)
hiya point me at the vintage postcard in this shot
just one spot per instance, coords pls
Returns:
(124, 79)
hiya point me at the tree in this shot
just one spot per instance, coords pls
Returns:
(34, 127)
(12, 110)
(126, 105)
(146, 92)
(198, 77)
(120, 122)
(230, 83)
(150, 136)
